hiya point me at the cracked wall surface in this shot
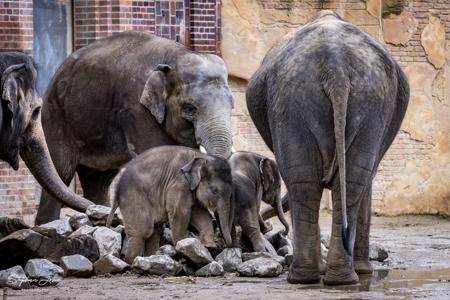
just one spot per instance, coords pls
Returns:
(414, 176)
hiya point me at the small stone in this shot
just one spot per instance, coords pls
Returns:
(156, 265)
(192, 249)
(44, 272)
(76, 266)
(168, 250)
(78, 220)
(98, 214)
(108, 241)
(84, 230)
(260, 267)
(252, 255)
(211, 269)
(230, 259)
(14, 278)
(377, 252)
(323, 251)
(61, 226)
(109, 264)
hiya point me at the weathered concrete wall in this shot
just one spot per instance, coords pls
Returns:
(414, 175)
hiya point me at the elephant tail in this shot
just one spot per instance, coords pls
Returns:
(336, 84)
(113, 208)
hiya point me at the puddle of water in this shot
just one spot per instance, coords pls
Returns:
(383, 280)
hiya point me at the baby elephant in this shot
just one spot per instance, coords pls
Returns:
(255, 178)
(177, 185)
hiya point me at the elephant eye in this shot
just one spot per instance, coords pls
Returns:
(214, 190)
(189, 109)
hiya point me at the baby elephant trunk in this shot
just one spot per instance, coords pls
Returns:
(224, 212)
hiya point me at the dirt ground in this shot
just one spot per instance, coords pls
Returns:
(418, 267)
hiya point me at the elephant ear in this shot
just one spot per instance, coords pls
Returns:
(267, 172)
(192, 172)
(154, 94)
(10, 86)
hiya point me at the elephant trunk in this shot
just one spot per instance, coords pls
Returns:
(214, 134)
(36, 156)
(281, 215)
(269, 211)
(225, 212)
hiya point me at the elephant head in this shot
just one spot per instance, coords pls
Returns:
(211, 180)
(271, 183)
(21, 130)
(192, 101)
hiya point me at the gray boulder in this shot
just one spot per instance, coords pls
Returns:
(10, 225)
(252, 255)
(78, 220)
(98, 214)
(166, 237)
(84, 230)
(61, 226)
(76, 266)
(211, 269)
(108, 241)
(230, 259)
(377, 252)
(14, 278)
(288, 259)
(192, 249)
(43, 272)
(156, 265)
(109, 264)
(119, 229)
(260, 267)
(167, 249)
(84, 245)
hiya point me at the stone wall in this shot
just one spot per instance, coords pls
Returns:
(413, 176)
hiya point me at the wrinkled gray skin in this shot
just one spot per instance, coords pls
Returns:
(329, 102)
(255, 179)
(21, 129)
(122, 95)
(175, 185)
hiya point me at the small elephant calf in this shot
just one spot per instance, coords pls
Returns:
(255, 178)
(177, 185)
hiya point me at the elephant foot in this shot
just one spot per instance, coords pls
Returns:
(363, 266)
(303, 276)
(340, 277)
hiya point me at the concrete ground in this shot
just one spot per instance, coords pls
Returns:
(418, 267)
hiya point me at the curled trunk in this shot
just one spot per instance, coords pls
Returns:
(224, 212)
(36, 156)
(214, 134)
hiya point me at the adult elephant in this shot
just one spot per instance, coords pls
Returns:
(121, 95)
(329, 102)
(21, 129)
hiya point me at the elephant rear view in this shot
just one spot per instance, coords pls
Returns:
(329, 102)
(119, 96)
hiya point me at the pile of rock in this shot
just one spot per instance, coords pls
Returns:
(82, 246)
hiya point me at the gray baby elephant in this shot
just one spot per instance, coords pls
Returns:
(175, 185)
(255, 178)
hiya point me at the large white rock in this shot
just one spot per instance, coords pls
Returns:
(260, 267)
(192, 249)
(156, 265)
(108, 241)
(230, 259)
(84, 230)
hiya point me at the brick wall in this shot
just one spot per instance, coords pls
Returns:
(16, 25)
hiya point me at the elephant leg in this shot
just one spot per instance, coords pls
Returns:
(152, 243)
(49, 207)
(361, 253)
(179, 223)
(202, 221)
(250, 228)
(96, 184)
(135, 248)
